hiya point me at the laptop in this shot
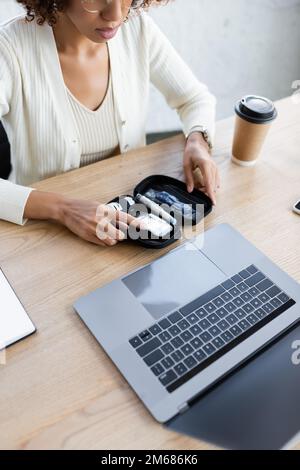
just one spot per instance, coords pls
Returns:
(15, 324)
(178, 325)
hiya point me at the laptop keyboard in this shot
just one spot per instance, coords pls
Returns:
(185, 342)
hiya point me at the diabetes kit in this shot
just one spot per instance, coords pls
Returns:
(163, 205)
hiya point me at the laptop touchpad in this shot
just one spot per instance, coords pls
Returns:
(173, 280)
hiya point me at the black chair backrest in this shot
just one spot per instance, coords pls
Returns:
(5, 162)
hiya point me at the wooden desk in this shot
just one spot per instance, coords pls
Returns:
(59, 389)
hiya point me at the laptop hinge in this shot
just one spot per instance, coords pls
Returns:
(184, 407)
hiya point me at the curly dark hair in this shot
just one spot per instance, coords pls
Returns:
(47, 10)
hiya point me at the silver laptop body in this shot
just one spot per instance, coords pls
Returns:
(127, 307)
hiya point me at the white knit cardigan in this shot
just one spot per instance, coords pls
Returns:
(37, 116)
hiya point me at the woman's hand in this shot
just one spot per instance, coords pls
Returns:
(90, 220)
(196, 155)
(95, 222)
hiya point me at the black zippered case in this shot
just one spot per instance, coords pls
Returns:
(167, 192)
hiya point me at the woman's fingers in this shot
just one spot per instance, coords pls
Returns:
(116, 226)
(209, 181)
(115, 233)
(218, 179)
(113, 225)
(114, 216)
(122, 226)
(107, 232)
(189, 177)
(105, 243)
(94, 239)
(124, 217)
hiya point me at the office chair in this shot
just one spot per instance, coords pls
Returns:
(5, 162)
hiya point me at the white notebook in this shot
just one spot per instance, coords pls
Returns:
(15, 324)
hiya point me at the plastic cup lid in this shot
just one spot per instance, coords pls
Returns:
(256, 109)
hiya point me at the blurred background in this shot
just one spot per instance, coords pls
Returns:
(236, 47)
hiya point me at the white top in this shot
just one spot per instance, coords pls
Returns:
(37, 115)
(96, 129)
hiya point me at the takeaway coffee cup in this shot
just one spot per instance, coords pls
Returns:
(254, 116)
